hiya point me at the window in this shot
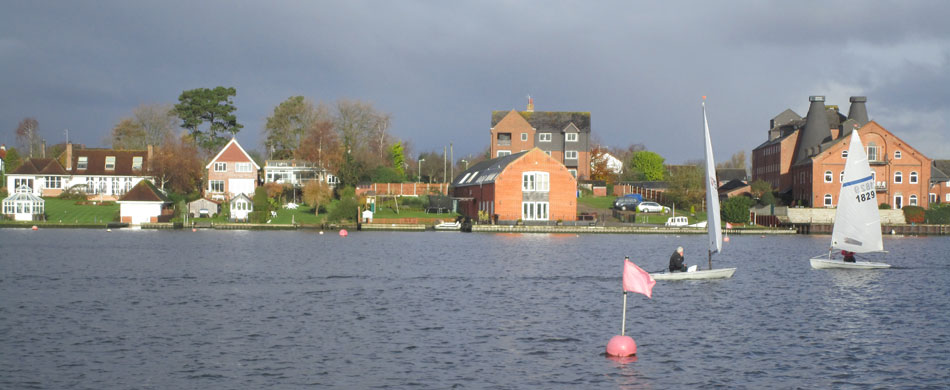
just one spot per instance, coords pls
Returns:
(535, 181)
(872, 151)
(137, 163)
(827, 200)
(544, 137)
(54, 182)
(913, 200)
(128, 186)
(110, 163)
(897, 154)
(844, 153)
(570, 155)
(570, 137)
(242, 167)
(898, 177)
(913, 177)
(216, 185)
(82, 163)
(573, 172)
(534, 211)
(23, 182)
(90, 186)
(841, 177)
(504, 153)
(829, 177)
(116, 186)
(933, 198)
(898, 202)
(947, 198)
(220, 167)
(524, 136)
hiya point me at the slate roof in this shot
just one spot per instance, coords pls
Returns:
(732, 184)
(145, 191)
(40, 166)
(549, 121)
(96, 162)
(727, 174)
(486, 171)
(940, 172)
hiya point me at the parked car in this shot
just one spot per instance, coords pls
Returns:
(677, 221)
(626, 203)
(652, 207)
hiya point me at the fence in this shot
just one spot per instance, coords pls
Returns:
(404, 189)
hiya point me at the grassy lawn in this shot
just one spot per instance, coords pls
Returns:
(302, 215)
(67, 211)
(600, 202)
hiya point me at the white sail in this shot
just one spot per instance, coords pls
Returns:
(712, 194)
(857, 220)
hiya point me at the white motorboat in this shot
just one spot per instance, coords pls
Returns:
(857, 225)
(448, 226)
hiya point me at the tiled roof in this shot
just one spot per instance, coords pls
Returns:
(549, 121)
(40, 166)
(727, 174)
(96, 162)
(232, 152)
(732, 184)
(486, 171)
(145, 191)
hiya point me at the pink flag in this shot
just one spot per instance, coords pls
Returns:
(637, 280)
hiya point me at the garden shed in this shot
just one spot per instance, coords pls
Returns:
(203, 208)
(23, 205)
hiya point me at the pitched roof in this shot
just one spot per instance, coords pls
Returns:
(727, 174)
(941, 171)
(40, 166)
(232, 151)
(145, 191)
(785, 117)
(549, 121)
(96, 162)
(732, 184)
(486, 171)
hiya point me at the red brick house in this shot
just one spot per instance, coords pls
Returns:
(232, 171)
(565, 136)
(530, 186)
(805, 157)
(939, 182)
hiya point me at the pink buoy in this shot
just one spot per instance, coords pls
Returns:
(343, 233)
(35, 228)
(194, 230)
(726, 238)
(621, 346)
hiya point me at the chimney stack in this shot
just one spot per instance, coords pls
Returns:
(69, 156)
(530, 104)
(859, 111)
(148, 162)
(816, 128)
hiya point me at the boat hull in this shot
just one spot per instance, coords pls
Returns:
(826, 263)
(720, 273)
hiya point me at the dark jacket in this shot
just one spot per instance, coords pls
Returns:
(676, 262)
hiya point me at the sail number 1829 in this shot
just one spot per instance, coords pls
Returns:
(865, 196)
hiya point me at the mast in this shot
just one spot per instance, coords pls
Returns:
(712, 196)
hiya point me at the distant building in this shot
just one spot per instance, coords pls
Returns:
(296, 173)
(231, 172)
(804, 157)
(565, 136)
(104, 174)
(144, 204)
(530, 186)
(939, 182)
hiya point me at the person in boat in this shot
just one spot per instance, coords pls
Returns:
(676, 261)
(848, 256)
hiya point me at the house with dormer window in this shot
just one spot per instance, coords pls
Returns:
(231, 172)
(565, 136)
(102, 174)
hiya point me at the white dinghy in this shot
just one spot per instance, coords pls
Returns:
(713, 224)
(857, 220)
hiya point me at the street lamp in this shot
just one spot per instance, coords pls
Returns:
(466, 163)
(419, 164)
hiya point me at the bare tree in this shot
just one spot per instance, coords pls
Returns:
(158, 121)
(28, 136)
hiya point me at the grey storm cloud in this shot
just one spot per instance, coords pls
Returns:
(440, 68)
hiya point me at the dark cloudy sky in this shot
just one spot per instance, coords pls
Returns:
(441, 67)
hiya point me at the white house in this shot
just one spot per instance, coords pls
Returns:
(296, 173)
(613, 164)
(104, 174)
(143, 204)
(241, 206)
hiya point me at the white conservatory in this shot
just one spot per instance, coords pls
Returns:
(23, 205)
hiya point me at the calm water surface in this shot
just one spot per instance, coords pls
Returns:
(230, 309)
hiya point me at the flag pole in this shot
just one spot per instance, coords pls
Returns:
(623, 322)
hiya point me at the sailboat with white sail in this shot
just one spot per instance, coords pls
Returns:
(857, 226)
(713, 223)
